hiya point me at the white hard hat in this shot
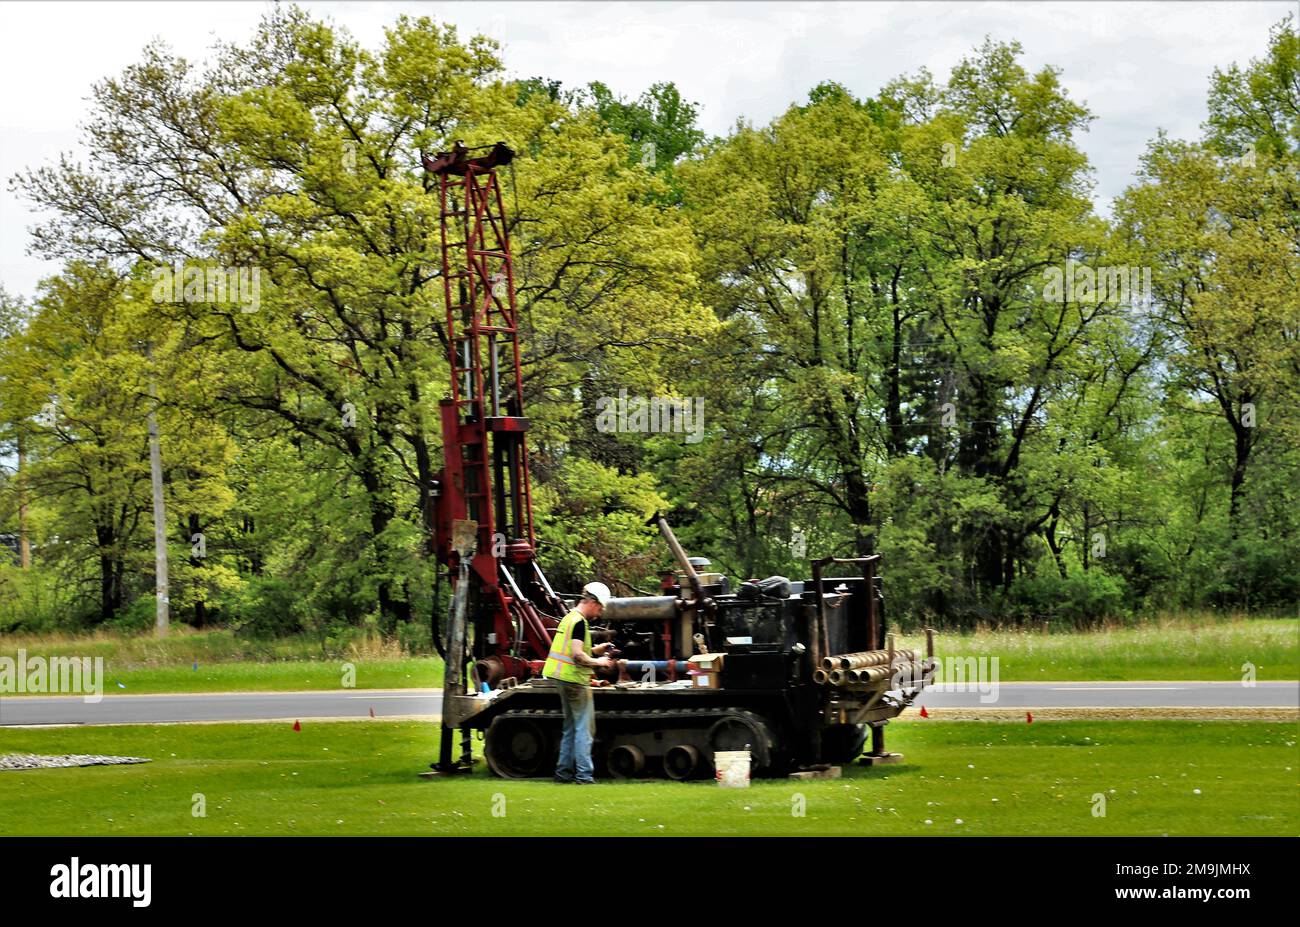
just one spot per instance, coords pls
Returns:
(597, 591)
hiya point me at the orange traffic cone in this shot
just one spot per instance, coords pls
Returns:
(1029, 717)
(297, 725)
(924, 713)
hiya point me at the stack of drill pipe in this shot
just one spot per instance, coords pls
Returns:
(852, 661)
(911, 670)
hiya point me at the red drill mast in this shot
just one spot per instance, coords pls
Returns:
(485, 476)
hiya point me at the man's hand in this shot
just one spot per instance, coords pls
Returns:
(603, 650)
(590, 660)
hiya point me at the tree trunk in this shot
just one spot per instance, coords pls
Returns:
(857, 495)
(111, 573)
(162, 619)
(976, 455)
(24, 544)
(391, 608)
(1086, 547)
(896, 442)
(1049, 532)
(248, 526)
(200, 607)
(106, 604)
(1241, 457)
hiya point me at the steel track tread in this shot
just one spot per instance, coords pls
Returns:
(700, 717)
(683, 714)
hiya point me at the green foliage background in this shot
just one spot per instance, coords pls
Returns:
(855, 291)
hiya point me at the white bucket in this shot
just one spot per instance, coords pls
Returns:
(732, 768)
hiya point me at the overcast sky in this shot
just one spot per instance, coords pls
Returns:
(1138, 66)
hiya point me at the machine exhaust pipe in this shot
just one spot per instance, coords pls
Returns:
(680, 555)
(641, 608)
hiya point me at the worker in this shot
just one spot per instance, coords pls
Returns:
(571, 663)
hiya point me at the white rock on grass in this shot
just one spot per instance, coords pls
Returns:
(32, 761)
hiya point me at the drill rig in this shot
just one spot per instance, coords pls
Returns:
(797, 673)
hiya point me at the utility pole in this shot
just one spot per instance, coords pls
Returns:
(24, 544)
(163, 620)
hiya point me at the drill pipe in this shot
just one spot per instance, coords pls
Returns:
(660, 668)
(848, 661)
(866, 674)
(909, 671)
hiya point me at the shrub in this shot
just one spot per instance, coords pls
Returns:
(141, 614)
(36, 600)
(267, 607)
(1080, 599)
(415, 636)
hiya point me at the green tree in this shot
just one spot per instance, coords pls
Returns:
(295, 157)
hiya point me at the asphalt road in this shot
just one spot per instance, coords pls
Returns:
(358, 703)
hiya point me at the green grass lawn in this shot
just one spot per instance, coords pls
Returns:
(1195, 647)
(360, 778)
(221, 661)
(414, 672)
(1190, 647)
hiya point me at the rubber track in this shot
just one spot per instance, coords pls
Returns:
(687, 714)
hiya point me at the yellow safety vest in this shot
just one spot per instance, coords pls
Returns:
(559, 662)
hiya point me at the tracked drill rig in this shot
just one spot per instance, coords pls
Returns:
(797, 672)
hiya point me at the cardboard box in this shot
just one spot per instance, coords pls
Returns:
(706, 670)
(707, 662)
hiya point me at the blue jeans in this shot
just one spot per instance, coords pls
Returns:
(579, 729)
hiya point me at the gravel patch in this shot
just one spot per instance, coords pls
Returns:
(67, 760)
(999, 715)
